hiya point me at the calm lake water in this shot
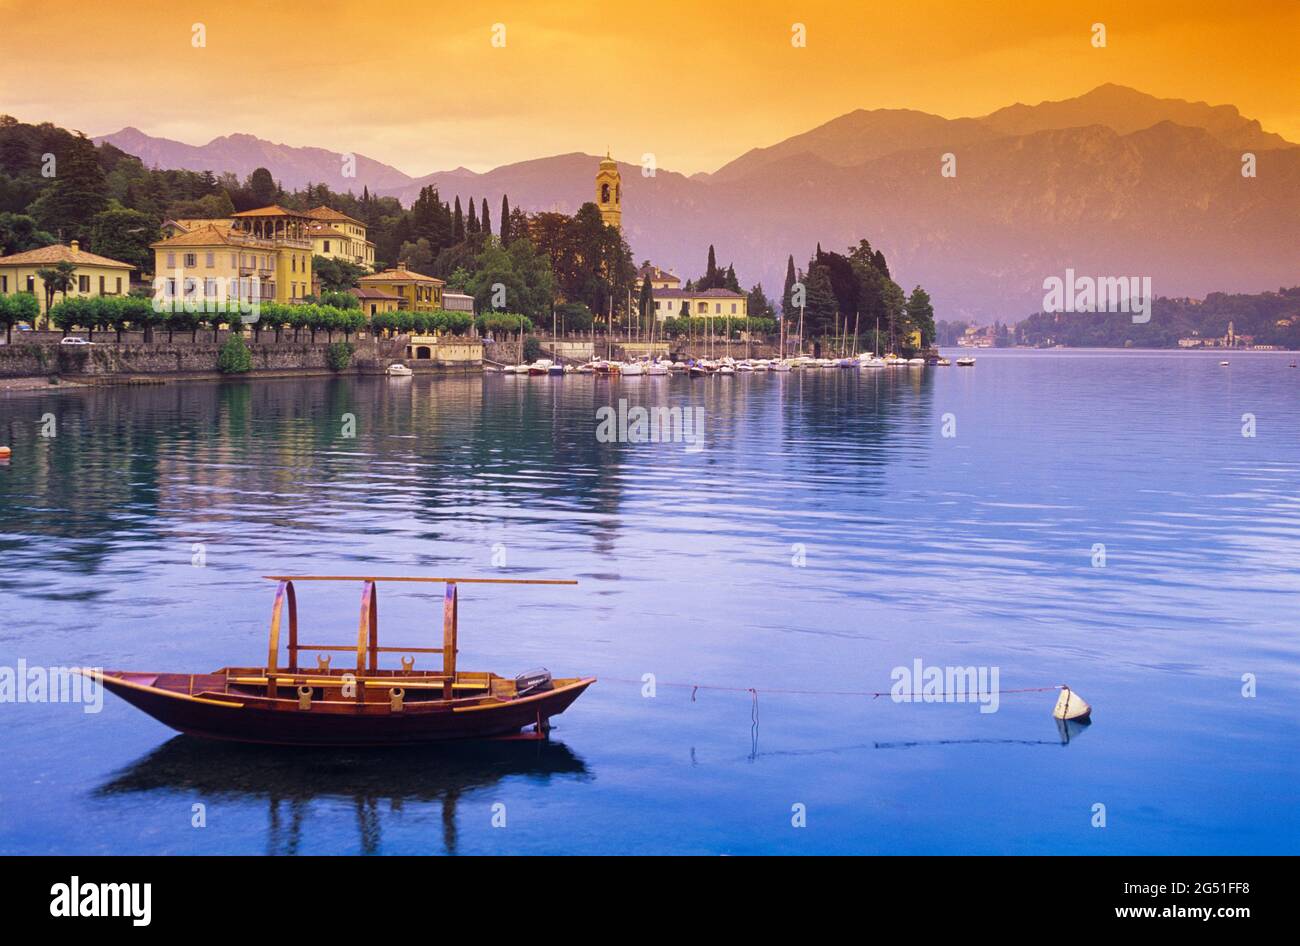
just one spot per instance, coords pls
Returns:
(826, 533)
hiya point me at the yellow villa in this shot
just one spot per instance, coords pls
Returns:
(718, 303)
(415, 292)
(659, 278)
(376, 301)
(95, 275)
(263, 255)
(335, 235)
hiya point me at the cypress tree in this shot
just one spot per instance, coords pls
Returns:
(457, 223)
(471, 225)
(487, 220)
(790, 280)
(505, 220)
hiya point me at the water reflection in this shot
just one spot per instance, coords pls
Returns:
(289, 782)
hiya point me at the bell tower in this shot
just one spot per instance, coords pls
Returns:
(609, 193)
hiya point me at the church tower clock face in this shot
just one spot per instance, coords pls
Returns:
(609, 192)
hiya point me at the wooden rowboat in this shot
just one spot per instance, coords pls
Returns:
(361, 706)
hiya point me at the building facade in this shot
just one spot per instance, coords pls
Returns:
(375, 301)
(716, 303)
(415, 292)
(659, 279)
(263, 255)
(335, 235)
(94, 276)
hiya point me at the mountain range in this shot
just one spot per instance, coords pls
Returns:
(1112, 182)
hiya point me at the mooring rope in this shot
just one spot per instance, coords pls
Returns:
(874, 694)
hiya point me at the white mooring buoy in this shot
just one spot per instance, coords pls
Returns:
(1071, 705)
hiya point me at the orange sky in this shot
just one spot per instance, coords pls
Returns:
(419, 85)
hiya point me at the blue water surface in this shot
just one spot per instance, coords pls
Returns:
(826, 533)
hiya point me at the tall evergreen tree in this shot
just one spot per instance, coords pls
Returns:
(262, 187)
(730, 281)
(78, 193)
(646, 302)
(920, 314)
(505, 220)
(711, 272)
(487, 220)
(471, 224)
(790, 280)
(457, 223)
(821, 306)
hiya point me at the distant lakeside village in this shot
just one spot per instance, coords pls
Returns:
(187, 273)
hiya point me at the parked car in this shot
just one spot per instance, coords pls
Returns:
(73, 340)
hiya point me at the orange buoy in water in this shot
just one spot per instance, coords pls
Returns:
(5, 453)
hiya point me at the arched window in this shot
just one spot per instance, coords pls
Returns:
(604, 193)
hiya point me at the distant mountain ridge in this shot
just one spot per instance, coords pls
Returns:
(1111, 182)
(293, 166)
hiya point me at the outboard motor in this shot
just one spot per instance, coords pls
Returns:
(532, 681)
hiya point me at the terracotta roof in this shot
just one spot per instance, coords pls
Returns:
(211, 235)
(325, 233)
(401, 275)
(58, 253)
(275, 210)
(372, 292)
(329, 213)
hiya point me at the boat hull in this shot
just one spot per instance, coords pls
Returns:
(259, 719)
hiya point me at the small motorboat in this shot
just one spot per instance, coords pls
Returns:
(762, 364)
(916, 362)
(351, 706)
(540, 367)
(587, 368)
(966, 361)
(943, 363)
(398, 370)
(744, 366)
(632, 369)
(780, 365)
(727, 369)
(871, 361)
(1223, 364)
(657, 368)
(555, 369)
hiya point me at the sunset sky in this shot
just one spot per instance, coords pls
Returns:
(419, 85)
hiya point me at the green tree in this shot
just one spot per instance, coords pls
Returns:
(820, 305)
(124, 235)
(339, 355)
(58, 278)
(505, 220)
(336, 275)
(920, 314)
(262, 188)
(78, 193)
(790, 279)
(16, 308)
(646, 303)
(234, 356)
(20, 233)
